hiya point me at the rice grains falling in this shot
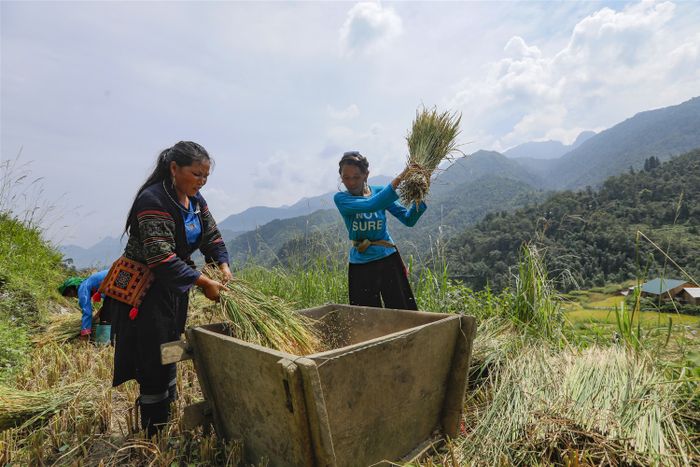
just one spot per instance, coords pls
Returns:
(265, 320)
(432, 139)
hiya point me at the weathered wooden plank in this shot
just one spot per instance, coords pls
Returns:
(385, 396)
(173, 352)
(457, 379)
(320, 430)
(197, 414)
(252, 397)
(200, 367)
(296, 403)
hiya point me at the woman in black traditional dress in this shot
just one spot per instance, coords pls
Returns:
(168, 220)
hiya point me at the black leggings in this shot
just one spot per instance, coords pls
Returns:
(384, 280)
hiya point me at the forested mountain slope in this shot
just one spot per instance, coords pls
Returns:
(590, 236)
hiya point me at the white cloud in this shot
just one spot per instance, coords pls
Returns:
(352, 111)
(517, 48)
(368, 27)
(534, 122)
(276, 109)
(303, 174)
(221, 202)
(615, 64)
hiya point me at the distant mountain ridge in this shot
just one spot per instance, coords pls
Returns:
(257, 216)
(264, 243)
(593, 158)
(477, 165)
(98, 256)
(547, 149)
(662, 133)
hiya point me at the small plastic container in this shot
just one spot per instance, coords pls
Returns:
(102, 334)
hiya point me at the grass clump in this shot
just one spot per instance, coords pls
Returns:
(29, 269)
(535, 300)
(319, 282)
(265, 320)
(14, 347)
(432, 139)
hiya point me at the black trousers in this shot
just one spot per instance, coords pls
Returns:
(161, 319)
(382, 281)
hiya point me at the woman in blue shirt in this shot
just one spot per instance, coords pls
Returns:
(84, 290)
(376, 273)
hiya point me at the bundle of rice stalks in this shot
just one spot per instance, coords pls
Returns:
(61, 328)
(265, 320)
(432, 139)
(22, 409)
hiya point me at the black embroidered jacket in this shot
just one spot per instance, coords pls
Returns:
(157, 237)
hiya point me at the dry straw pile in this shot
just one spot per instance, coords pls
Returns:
(607, 403)
(265, 320)
(60, 328)
(22, 409)
(433, 138)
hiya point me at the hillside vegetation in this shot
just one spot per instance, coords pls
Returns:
(453, 206)
(590, 237)
(30, 272)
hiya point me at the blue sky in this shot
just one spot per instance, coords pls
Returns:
(92, 91)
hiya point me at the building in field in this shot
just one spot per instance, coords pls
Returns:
(691, 295)
(665, 289)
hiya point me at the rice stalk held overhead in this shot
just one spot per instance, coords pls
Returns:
(432, 139)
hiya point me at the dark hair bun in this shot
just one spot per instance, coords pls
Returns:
(354, 158)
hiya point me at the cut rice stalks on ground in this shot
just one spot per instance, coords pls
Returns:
(61, 328)
(433, 138)
(613, 406)
(265, 320)
(23, 409)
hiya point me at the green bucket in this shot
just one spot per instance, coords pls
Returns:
(102, 334)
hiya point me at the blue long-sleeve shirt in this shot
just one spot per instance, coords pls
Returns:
(85, 292)
(365, 218)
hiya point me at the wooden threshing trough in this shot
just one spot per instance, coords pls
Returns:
(392, 381)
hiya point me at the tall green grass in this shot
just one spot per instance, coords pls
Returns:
(534, 403)
(435, 291)
(536, 303)
(30, 271)
(29, 265)
(321, 281)
(325, 280)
